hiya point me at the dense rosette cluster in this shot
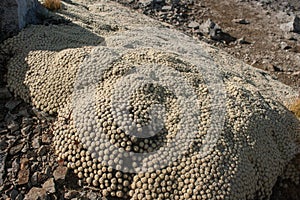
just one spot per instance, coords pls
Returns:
(45, 63)
(250, 152)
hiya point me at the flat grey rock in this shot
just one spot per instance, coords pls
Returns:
(193, 24)
(292, 26)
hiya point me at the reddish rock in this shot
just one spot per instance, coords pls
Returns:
(60, 173)
(24, 163)
(23, 176)
(36, 193)
(49, 186)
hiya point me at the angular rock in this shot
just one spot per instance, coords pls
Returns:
(27, 121)
(166, 8)
(219, 35)
(48, 171)
(37, 130)
(193, 24)
(42, 150)
(173, 2)
(292, 26)
(25, 148)
(34, 178)
(3, 131)
(4, 93)
(2, 114)
(297, 73)
(19, 197)
(272, 68)
(13, 194)
(49, 186)
(36, 142)
(71, 194)
(23, 176)
(42, 177)
(12, 104)
(23, 113)
(34, 166)
(16, 148)
(10, 117)
(92, 195)
(13, 126)
(3, 144)
(145, 3)
(60, 173)
(15, 166)
(39, 114)
(36, 193)
(25, 130)
(10, 174)
(46, 138)
(241, 21)
(207, 26)
(215, 32)
(242, 40)
(284, 46)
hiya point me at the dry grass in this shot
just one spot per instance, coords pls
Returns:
(295, 108)
(52, 4)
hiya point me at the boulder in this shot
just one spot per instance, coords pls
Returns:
(16, 14)
(292, 26)
(215, 32)
(209, 25)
